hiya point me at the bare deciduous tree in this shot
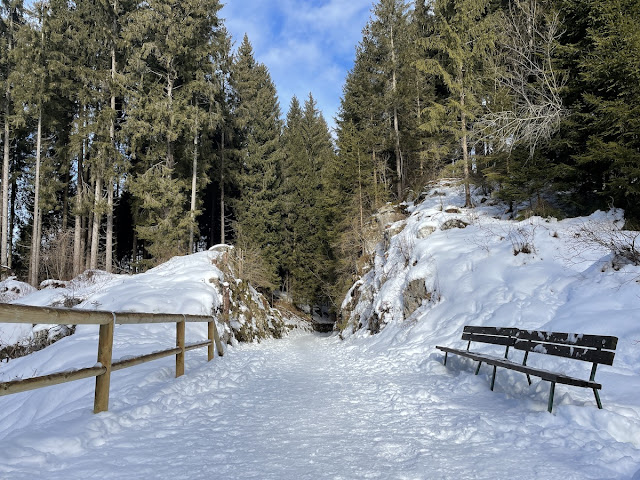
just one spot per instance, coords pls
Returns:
(526, 75)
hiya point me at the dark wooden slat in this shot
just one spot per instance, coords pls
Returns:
(502, 331)
(579, 340)
(16, 386)
(577, 353)
(544, 374)
(536, 372)
(496, 340)
(481, 357)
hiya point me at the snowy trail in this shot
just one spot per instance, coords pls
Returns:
(308, 407)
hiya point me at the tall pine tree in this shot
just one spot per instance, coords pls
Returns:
(257, 118)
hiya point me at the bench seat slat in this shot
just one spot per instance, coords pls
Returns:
(578, 340)
(543, 374)
(568, 351)
(495, 340)
(536, 372)
(481, 357)
(502, 331)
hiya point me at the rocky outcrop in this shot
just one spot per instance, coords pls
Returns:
(247, 315)
(453, 223)
(380, 226)
(413, 296)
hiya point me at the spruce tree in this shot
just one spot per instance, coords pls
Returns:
(11, 12)
(307, 260)
(257, 116)
(389, 30)
(173, 41)
(610, 104)
(462, 43)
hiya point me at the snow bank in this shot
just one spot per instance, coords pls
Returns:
(532, 274)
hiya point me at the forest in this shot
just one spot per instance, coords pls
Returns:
(135, 131)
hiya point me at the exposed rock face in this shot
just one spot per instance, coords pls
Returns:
(249, 316)
(453, 223)
(376, 228)
(414, 295)
(425, 230)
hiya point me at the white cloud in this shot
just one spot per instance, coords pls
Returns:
(308, 45)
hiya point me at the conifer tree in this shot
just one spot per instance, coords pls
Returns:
(389, 33)
(224, 99)
(173, 40)
(307, 259)
(30, 57)
(462, 42)
(257, 116)
(610, 105)
(10, 20)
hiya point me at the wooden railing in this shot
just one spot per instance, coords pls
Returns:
(10, 313)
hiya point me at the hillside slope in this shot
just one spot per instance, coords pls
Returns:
(445, 267)
(193, 284)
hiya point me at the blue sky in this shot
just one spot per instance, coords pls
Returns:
(307, 45)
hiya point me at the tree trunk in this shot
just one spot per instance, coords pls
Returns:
(95, 234)
(109, 235)
(465, 153)
(78, 245)
(419, 117)
(65, 200)
(35, 239)
(112, 136)
(194, 185)
(5, 189)
(360, 195)
(170, 158)
(222, 225)
(4, 237)
(376, 198)
(12, 221)
(396, 128)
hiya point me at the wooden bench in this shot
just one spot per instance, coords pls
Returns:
(595, 349)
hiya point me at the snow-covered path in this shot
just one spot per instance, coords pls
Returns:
(309, 407)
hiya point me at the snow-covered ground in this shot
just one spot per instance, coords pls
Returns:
(309, 407)
(370, 406)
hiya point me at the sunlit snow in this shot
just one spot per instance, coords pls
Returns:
(370, 406)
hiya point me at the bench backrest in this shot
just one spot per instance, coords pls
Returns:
(493, 335)
(589, 348)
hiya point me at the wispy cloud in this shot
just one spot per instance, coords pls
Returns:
(308, 45)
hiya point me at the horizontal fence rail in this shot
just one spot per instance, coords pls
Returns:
(10, 313)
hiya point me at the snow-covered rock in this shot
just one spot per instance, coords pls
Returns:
(192, 284)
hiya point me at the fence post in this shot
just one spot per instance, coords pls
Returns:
(180, 345)
(105, 351)
(210, 348)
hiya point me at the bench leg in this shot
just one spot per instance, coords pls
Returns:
(445, 357)
(595, 392)
(478, 369)
(551, 392)
(529, 379)
(493, 379)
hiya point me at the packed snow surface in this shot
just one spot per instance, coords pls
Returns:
(311, 407)
(370, 406)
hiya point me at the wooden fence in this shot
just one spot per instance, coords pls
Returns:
(10, 313)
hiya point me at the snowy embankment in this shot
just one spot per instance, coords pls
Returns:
(476, 267)
(193, 284)
(373, 406)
